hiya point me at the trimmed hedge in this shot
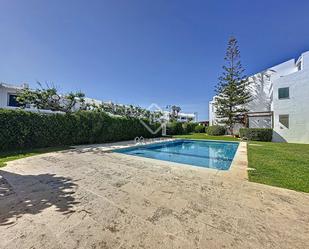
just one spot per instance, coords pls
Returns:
(188, 127)
(199, 129)
(216, 130)
(256, 134)
(174, 128)
(21, 129)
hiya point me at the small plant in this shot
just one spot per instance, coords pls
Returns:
(216, 130)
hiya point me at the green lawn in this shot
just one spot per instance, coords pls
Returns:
(205, 136)
(277, 164)
(18, 154)
(280, 164)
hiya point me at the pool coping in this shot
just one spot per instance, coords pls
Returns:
(106, 147)
(237, 170)
(239, 166)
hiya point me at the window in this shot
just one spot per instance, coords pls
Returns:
(12, 100)
(284, 93)
(284, 120)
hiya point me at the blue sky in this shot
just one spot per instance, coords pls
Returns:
(145, 51)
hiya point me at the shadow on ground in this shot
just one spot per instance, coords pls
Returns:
(31, 194)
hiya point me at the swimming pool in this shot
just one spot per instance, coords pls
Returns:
(207, 154)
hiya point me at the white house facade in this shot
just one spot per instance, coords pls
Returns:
(187, 117)
(280, 100)
(8, 94)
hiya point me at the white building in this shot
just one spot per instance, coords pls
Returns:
(8, 94)
(280, 100)
(181, 116)
(187, 117)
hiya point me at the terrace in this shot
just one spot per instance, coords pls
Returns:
(130, 125)
(91, 197)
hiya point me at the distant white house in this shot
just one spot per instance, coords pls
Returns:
(280, 101)
(184, 117)
(8, 94)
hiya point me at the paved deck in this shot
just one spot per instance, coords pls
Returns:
(96, 199)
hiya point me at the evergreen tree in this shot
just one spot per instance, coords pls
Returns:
(233, 89)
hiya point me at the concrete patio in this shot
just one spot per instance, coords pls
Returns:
(90, 198)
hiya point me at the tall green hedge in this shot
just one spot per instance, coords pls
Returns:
(21, 129)
(174, 128)
(199, 129)
(188, 127)
(216, 130)
(256, 134)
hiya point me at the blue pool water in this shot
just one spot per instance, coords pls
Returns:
(208, 154)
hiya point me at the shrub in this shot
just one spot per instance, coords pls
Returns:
(188, 127)
(21, 129)
(256, 134)
(174, 128)
(216, 130)
(199, 129)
